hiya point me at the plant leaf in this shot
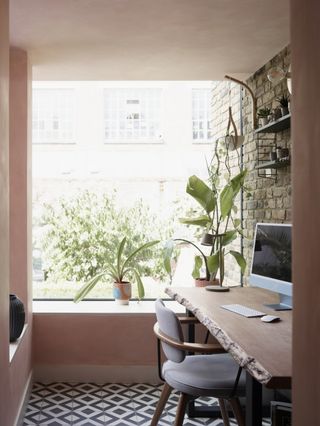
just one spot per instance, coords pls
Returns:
(198, 221)
(226, 201)
(196, 268)
(139, 284)
(87, 287)
(240, 260)
(236, 223)
(200, 191)
(120, 251)
(238, 181)
(213, 263)
(167, 255)
(112, 271)
(229, 237)
(134, 253)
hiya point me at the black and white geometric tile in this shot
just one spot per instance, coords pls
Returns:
(89, 404)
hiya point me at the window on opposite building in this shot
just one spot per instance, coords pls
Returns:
(201, 116)
(53, 116)
(132, 115)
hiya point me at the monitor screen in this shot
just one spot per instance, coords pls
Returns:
(272, 252)
(271, 262)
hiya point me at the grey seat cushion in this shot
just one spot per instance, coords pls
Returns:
(204, 375)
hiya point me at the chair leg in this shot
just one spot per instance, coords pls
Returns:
(224, 412)
(166, 391)
(181, 409)
(237, 410)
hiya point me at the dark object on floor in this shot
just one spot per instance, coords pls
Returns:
(281, 413)
(217, 288)
(17, 317)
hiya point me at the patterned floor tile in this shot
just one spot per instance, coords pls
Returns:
(90, 404)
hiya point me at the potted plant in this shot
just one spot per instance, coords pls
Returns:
(122, 267)
(263, 114)
(210, 263)
(284, 105)
(218, 220)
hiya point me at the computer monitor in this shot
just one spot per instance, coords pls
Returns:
(271, 262)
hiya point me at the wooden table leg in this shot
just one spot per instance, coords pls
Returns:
(253, 402)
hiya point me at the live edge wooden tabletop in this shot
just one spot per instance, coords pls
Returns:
(263, 349)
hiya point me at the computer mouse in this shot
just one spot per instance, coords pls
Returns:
(270, 318)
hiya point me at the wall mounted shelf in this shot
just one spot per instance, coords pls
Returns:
(276, 126)
(265, 145)
(273, 165)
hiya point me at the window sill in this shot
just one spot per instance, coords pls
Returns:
(134, 142)
(53, 143)
(100, 307)
(202, 142)
(14, 345)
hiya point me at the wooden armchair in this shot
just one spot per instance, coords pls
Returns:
(212, 373)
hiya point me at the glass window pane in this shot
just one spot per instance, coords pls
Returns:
(201, 114)
(134, 110)
(53, 112)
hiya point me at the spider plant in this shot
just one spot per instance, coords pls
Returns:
(121, 268)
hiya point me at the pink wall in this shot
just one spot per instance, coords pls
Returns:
(18, 155)
(14, 375)
(94, 339)
(20, 283)
(305, 32)
(4, 213)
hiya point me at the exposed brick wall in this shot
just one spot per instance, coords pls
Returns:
(271, 199)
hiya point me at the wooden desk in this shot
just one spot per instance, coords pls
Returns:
(262, 349)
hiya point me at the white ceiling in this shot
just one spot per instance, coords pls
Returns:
(148, 39)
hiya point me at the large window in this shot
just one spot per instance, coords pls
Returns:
(53, 118)
(119, 179)
(132, 115)
(201, 102)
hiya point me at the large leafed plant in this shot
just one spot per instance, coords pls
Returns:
(217, 198)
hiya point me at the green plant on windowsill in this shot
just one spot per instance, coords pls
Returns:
(218, 220)
(119, 270)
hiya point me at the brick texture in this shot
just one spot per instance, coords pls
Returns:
(270, 199)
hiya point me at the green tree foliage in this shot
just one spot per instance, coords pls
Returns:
(83, 231)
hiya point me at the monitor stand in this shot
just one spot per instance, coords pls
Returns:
(284, 305)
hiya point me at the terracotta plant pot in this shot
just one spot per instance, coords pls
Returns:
(202, 282)
(122, 293)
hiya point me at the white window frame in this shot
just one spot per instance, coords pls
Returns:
(60, 111)
(201, 115)
(131, 121)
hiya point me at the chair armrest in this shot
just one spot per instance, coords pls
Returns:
(188, 320)
(204, 348)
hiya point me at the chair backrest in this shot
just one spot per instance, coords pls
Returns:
(170, 325)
